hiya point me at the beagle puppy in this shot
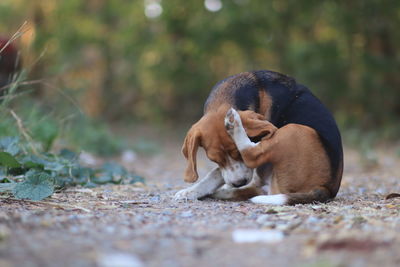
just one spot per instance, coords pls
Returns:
(274, 143)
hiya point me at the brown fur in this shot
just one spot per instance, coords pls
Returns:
(299, 159)
(210, 133)
(300, 164)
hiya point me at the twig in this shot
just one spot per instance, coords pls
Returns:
(21, 31)
(47, 84)
(10, 97)
(24, 132)
(57, 205)
(21, 83)
(133, 202)
(69, 98)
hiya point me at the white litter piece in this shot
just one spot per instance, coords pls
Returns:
(119, 259)
(255, 235)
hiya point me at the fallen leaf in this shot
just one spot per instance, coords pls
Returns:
(37, 186)
(392, 195)
(352, 245)
(271, 211)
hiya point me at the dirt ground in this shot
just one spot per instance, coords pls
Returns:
(141, 225)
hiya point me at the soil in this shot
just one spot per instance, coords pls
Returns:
(141, 225)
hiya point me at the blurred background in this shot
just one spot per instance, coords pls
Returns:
(88, 67)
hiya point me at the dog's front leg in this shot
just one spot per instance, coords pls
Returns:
(206, 186)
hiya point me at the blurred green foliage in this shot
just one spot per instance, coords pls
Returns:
(45, 128)
(120, 63)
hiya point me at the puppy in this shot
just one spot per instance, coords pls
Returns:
(281, 146)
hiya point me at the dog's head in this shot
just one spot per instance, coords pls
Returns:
(210, 133)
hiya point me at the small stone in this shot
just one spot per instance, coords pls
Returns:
(119, 260)
(312, 219)
(253, 236)
(155, 199)
(263, 218)
(186, 214)
(167, 212)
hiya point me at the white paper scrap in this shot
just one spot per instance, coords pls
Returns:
(255, 235)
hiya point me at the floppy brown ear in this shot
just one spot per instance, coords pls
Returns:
(189, 150)
(256, 125)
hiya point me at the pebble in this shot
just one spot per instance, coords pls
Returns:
(312, 219)
(263, 218)
(155, 199)
(119, 259)
(186, 214)
(255, 235)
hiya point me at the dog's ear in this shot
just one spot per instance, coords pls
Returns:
(256, 125)
(189, 150)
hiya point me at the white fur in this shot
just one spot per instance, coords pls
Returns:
(266, 188)
(237, 131)
(206, 186)
(235, 171)
(279, 199)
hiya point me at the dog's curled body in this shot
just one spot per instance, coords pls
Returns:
(296, 135)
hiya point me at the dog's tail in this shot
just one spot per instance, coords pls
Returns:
(317, 195)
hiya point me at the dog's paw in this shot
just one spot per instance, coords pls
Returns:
(186, 195)
(232, 120)
(224, 194)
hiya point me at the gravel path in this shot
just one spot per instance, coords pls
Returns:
(141, 225)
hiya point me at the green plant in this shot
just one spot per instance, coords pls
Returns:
(35, 176)
(93, 136)
(28, 170)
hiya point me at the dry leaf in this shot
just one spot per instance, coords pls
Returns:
(392, 195)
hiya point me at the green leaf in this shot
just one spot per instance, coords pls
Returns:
(111, 172)
(32, 161)
(68, 154)
(10, 144)
(90, 184)
(7, 160)
(37, 186)
(103, 179)
(2, 173)
(7, 187)
(136, 179)
(54, 166)
(114, 169)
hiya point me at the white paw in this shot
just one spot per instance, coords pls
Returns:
(234, 127)
(232, 121)
(186, 194)
(223, 193)
(279, 199)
